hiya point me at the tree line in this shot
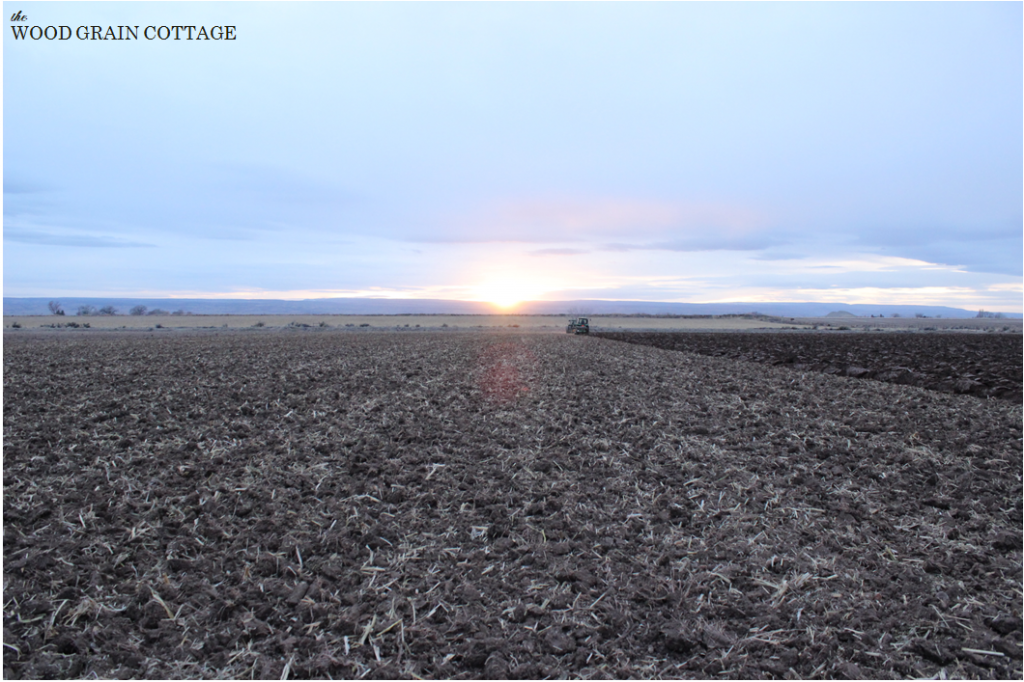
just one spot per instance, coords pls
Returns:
(86, 310)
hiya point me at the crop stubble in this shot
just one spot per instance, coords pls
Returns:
(469, 505)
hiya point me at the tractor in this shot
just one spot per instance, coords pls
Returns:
(579, 325)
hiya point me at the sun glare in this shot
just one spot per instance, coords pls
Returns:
(507, 293)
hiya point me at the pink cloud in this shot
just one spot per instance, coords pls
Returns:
(572, 220)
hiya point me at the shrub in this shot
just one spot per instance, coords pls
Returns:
(137, 310)
(16, 325)
(107, 310)
(158, 311)
(86, 310)
(55, 308)
(259, 324)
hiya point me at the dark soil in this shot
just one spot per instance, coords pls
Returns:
(468, 506)
(983, 365)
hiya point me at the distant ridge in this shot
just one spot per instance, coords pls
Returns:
(382, 306)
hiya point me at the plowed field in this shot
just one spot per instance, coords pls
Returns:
(467, 505)
(985, 365)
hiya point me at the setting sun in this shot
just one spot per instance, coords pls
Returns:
(509, 291)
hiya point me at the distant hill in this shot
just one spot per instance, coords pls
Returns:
(842, 313)
(382, 306)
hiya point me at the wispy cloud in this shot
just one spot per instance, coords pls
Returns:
(938, 295)
(992, 248)
(1015, 287)
(874, 263)
(18, 186)
(704, 242)
(559, 252)
(665, 225)
(781, 255)
(74, 240)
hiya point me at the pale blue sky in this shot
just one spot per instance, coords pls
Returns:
(855, 152)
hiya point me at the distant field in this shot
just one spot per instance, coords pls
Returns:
(551, 323)
(524, 322)
(918, 323)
